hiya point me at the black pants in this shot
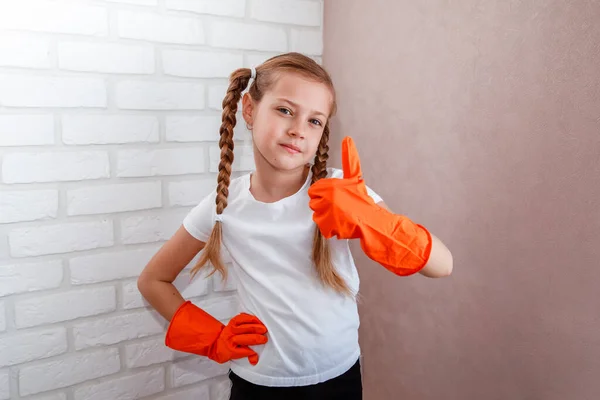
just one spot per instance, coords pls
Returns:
(347, 386)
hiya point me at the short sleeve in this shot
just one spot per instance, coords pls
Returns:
(200, 220)
(338, 173)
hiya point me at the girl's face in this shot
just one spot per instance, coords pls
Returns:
(288, 122)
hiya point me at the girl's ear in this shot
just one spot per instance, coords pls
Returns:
(247, 108)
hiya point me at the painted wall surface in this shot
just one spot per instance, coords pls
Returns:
(480, 120)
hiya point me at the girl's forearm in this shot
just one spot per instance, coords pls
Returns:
(163, 296)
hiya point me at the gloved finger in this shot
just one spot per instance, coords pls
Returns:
(253, 359)
(243, 318)
(249, 328)
(249, 340)
(241, 352)
(350, 159)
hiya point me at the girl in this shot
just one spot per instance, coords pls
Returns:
(285, 227)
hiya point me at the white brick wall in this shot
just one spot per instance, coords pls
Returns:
(54, 166)
(29, 277)
(27, 346)
(4, 388)
(64, 306)
(26, 130)
(68, 371)
(21, 51)
(133, 386)
(28, 205)
(2, 317)
(60, 238)
(109, 124)
(114, 198)
(49, 91)
(107, 129)
(104, 57)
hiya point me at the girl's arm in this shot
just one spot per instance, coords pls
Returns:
(156, 280)
(440, 261)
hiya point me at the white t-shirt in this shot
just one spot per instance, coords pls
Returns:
(312, 330)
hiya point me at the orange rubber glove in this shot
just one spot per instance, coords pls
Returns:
(193, 330)
(343, 208)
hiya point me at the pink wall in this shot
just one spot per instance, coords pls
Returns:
(487, 113)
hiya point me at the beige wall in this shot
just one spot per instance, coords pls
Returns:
(487, 113)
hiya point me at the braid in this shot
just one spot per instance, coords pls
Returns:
(321, 251)
(230, 105)
(212, 250)
(319, 168)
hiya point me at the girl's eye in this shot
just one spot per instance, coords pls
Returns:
(316, 122)
(284, 111)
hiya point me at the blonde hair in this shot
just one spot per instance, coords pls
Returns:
(266, 76)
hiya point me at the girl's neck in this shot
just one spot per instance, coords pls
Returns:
(268, 185)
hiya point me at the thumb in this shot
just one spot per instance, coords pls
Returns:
(253, 358)
(350, 160)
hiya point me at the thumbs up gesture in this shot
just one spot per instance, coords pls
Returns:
(342, 208)
(339, 203)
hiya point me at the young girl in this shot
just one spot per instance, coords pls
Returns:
(286, 227)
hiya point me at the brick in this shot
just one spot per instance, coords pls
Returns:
(204, 128)
(30, 277)
(64, 306)
(143, 95)
(151, 228)
(114, 198)
(55, 17)
(196, 393)
(192, 128)
(55, 396)
(132, 386)
(190, 193)
(28, 205)
(243, 158)
(136, 2)
(68, 371)
(2, 317)
(134, 163)
(239, 35)
(158, 28)
(47, 91)
(107, 129)
(62, 238)
(26, 130)
(4, 247)
(109, 266)
(307, 42)
(296, 12)
(255, 59)
(25, 52)
(106, 57)
(229, 8)
(196, 370)
(200, 64)
(32, 345)
(132, 298)
(55, 166)
(216, 94)
(149, 352)
(4, 385)
(115, 329)
(222, 308)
